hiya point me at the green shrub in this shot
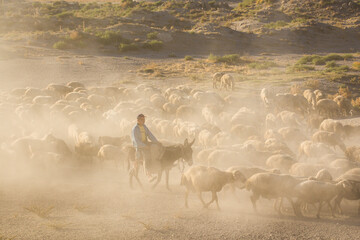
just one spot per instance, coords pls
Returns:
(276, 25)
(228, 59)
(188, 58)
(348, 56)
(262, 65)
(307, 59)
(319, 61)
(153, 45)
(331, 64)
(124, 47)
(110, 38)
(333, 57)
(152, 35)
(301, 68)
(62, 45)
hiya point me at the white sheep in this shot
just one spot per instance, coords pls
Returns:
(201, 179)
(314, 191)
(272, 186)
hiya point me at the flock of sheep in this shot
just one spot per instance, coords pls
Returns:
(278, 146)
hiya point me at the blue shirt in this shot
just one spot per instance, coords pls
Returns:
(136, 136)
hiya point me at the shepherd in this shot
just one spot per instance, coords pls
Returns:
(140, 138)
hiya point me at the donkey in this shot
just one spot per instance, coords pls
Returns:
(167, 160)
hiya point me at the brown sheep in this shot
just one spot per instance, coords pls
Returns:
(344, 105)
(227, 82)
(217, 79)
(329, 138)
(327, 108)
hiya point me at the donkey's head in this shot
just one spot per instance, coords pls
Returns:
(187, 152)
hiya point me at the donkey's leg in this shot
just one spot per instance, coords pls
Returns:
(167, 172)
(158, 179)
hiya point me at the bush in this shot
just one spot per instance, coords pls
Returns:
(124, 47)
(110, 37)
(331, 64)
(62, 45)
(262, 65)
(356, 65)
(152, 35)
(333, 57)
(312, 83)
(188, 58)
(301, 68)
(172, 55)
(154, 45)
(75, 35)
(348, 56)
(319, 61)
(307, 59)
(228, 59)
(276, 25)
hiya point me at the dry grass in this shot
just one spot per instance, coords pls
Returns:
(186, 68)
(41, 211)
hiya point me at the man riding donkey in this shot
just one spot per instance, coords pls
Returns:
(144, 149)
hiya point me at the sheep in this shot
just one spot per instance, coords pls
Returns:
(280, 161)
(217, 79)
(353, 153)
(116, 141)
(327, 108)
(290, 119)
(314, 191)
(205, 138)
(271, 186)
(292, 135)
(351, 131)
(310, 97)
(111, 153)
(75, 85)
(301, 169)
(266, 96)
(328, 138)
(334, 126)
(247, 172)
(207, 179)
(227, 82)
(270, 121)
(244, 131)
(313, 121)
(43, 100)
(344, 105)
(353, 192)
(319, 95)
(311, 149)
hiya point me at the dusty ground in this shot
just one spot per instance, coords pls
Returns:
(98, 204)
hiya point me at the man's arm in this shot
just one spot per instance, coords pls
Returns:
(151, 136)
(137, 138)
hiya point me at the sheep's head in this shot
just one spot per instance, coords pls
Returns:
(345, 185)
(239, 177)
(323, 175)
